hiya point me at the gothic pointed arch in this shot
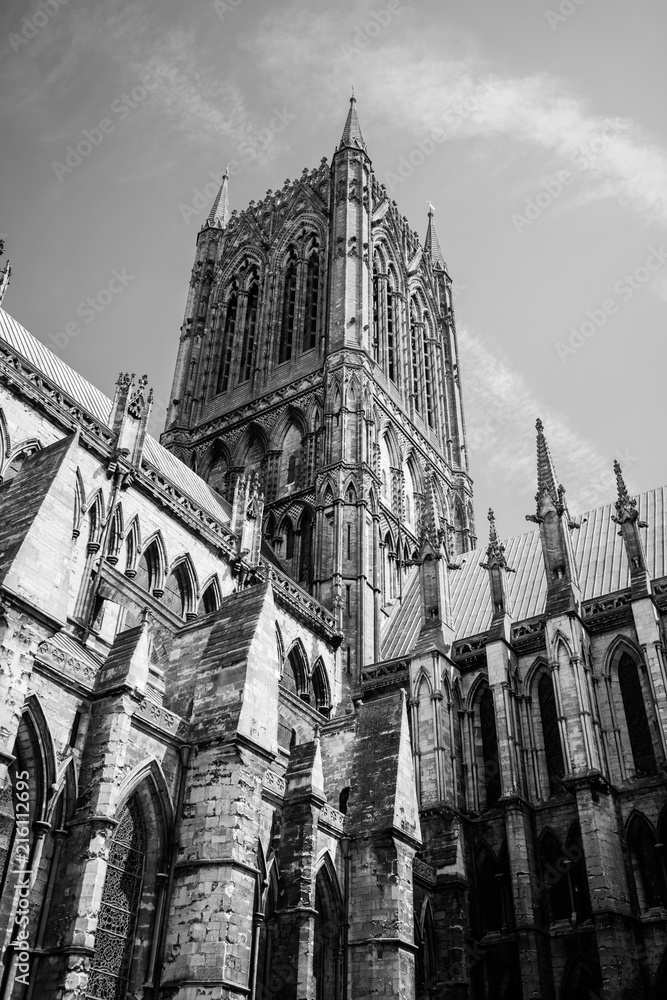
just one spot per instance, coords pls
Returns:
(116, 534)
(18, 455)
(133, 546)
(507, 985)
(79, 503)
(280, 645)
(215, 467)
(582, 979)
(211, 596)
(230, 316)
(250, 452)
(152, 566)
(5, 443)
(181, 587)
(95, 516)
(64, 795)
(287, 326)
(629, 678)
(328, 930)
(287, 533)
(426, 957)
(296, 670)
(321, 687)
(312, 295)
(35, 745)
(647, 868)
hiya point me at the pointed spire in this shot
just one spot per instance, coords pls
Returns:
(352, 132)
(627, 517)
(432, 243)
(547, 482)
(495, 550)
(626, 506)
(495, 564)
(219, 214)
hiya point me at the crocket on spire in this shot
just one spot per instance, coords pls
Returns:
(352, 132)
(432, 243)
(219, 214)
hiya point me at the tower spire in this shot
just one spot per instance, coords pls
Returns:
(563, 592)
(219, 214)
(496, 564)
(627, 518)
(352, 132)
(432, 243)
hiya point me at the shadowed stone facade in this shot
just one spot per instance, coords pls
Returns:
(271, 725)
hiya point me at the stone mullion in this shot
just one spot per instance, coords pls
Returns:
(377, 585)
(383, 291)
(585, 713)
(554, 668)
(654, 701)
(506, 696)
(440, 749)
(267, 320)
(413, 709)
(299, 308)
(239, 336)
(474, 767)
(532, 750)
(272, 472)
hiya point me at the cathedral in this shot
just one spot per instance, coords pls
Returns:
(277, 720)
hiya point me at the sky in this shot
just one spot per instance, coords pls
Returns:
(536, 129)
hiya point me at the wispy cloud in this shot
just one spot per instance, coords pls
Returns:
(424, 78)
(498, 397)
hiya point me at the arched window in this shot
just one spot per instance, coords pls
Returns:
(210, 600)
(634, 704)
(228, 340)
(583, 981)
(148, 571)
(289, 310)
(312, 300)
(553, 752)
(306, 556)
(376, 309)
(392, 329)
(266, 905)
(427, 334)
(327, 937)
(321, 689)
(249, 332)
(17, 463)
(177, 591)
(414, 356)
(121, 895)
(289, 539)
(487, 718)
(647, 865)
(291, 469)
(218, 474)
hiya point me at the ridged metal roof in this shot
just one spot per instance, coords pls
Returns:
(600, 557)
(99, 406)
(54, 368)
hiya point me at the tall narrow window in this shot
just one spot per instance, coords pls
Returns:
(248, 348)
(428, 373)
(391, 332)
(414, 357)
(553, 751)
(635, 715)
(487, 718)
(121, 895)
(376, 312)
(312, 300)
(289, 540)
(288, 315)
(228, 342)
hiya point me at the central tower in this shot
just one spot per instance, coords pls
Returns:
(318, 351)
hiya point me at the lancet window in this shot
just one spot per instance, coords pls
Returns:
(229, 330)
(288, 310)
